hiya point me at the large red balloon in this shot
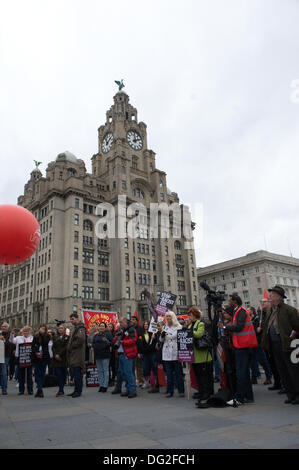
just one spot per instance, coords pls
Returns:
(19, 234)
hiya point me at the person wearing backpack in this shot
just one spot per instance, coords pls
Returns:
(203, 362)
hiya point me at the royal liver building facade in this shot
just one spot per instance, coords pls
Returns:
(106, 237)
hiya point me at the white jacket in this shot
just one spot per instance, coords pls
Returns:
(19, 340)
(170, 346)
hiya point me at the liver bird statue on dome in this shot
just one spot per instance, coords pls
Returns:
(120, 84)
(37, 164)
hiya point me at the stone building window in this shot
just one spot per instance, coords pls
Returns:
(87, 292)
(76, 218)
(87, 225)
(75, 290)
(103, 259)
(103, 293)
(103, 276)
(87, 256)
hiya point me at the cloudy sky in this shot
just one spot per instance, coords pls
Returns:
(212, 81)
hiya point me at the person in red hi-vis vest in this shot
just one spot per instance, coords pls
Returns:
(244, 339)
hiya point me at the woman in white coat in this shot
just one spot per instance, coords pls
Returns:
(170, 355)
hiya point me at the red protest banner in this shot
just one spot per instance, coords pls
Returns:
(92, 318)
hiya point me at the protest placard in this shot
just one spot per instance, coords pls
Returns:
(25, 359)
(165, 303)
(185, 345)
(92, 377)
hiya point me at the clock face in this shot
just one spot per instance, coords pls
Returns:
(107, 142)
(134, 140)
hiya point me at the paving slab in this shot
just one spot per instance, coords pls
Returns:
(105, 421)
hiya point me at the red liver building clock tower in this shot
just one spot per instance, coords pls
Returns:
(128, 167)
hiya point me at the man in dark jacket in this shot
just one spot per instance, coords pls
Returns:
(76, 353)
(277, 335)
(266, 311)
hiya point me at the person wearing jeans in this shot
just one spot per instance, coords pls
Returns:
(170, 355)
(126, 338)
(60, 342)
(101, 343)
(126, 366)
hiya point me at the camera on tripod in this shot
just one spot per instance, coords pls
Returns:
(215, 297)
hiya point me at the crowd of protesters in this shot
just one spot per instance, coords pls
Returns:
(128, 356)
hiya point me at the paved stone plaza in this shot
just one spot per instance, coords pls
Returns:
(105, 421)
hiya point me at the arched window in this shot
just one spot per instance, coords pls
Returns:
(177, 245)
(71, 172)
(87, 225)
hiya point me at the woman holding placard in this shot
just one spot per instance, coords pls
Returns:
(170, 355)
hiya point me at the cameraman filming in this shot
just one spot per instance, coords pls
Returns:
(125, 342)
(244, 339)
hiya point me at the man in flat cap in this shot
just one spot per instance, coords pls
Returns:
(277, 336)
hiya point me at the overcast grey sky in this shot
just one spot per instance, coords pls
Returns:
(211, 79)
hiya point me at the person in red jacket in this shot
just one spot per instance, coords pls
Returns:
(126, 342)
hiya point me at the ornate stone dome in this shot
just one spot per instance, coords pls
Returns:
(70, 157)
